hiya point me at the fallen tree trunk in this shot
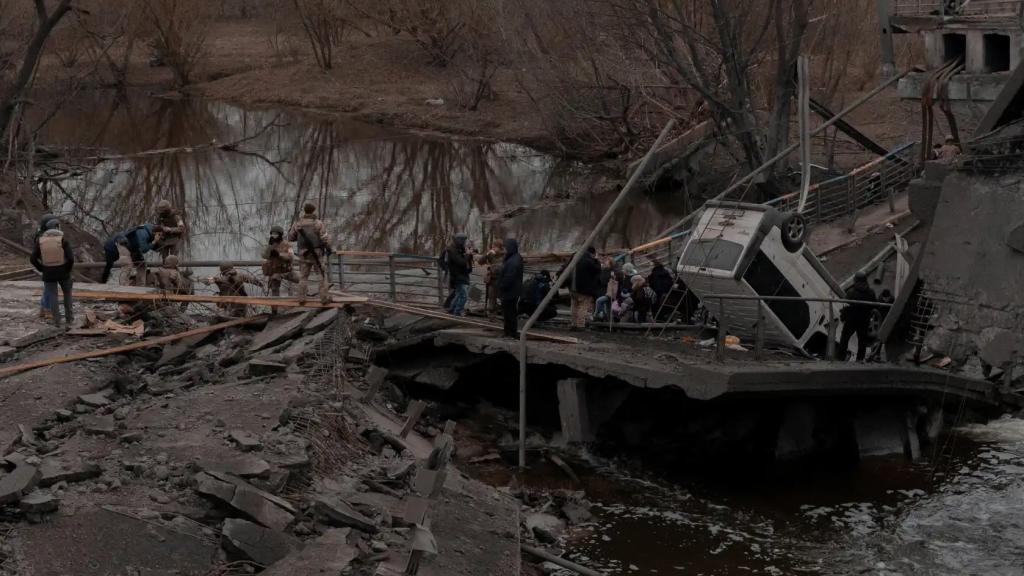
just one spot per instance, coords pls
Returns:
(19, 368)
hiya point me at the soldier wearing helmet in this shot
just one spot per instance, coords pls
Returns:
(314, 245)
(277, 261)
(231, 282)
(171, 229)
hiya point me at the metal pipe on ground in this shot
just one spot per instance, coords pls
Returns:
(560, 281)
(547, 556)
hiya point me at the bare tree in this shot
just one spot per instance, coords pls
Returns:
(325, 27)
(181, 29)
(13, 96)
(480, 58)
(435, 25)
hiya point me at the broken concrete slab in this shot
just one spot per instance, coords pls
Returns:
(101, 426)
(321, 321)
(94, 400)
(256, 543)
(262, 367)
(1000, 347)
(245, 440)
(38, 502)
(182, 348)
(7, 352)
(36, 337)
(280, 329)
(263, 507)
(337, 512)
(244, 467)
(17, 483)
(545, 527)
(53, 471)
(328, 554)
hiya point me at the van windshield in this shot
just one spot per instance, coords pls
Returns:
(713, 253)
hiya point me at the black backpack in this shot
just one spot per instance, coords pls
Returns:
(442, 261)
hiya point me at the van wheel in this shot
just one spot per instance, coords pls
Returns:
(794, 232)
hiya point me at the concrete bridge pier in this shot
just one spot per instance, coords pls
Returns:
(584, 404)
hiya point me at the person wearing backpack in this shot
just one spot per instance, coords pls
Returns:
(310, 234)
(54, 258)
(44, 303)
(138, 241)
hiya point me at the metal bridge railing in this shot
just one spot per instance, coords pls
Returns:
(954, 8)
(877, 181)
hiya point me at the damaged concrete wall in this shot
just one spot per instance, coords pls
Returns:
(970, 259)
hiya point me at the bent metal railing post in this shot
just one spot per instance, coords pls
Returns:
(619, 200)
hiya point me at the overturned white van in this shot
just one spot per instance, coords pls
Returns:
(754, 250)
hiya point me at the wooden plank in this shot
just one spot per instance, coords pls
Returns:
(466, 321)
(18, 368)
(251, 300)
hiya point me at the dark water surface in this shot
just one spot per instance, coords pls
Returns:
(379, 189)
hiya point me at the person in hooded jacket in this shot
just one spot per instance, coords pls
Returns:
(586, 287)
(857, 317)
(460, 266)
(660, 280)
(54, 258)
(138, 241)
(510, 287)
(44, 302)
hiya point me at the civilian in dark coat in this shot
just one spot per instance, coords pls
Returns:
(510, 287)
(54, 258)
(586, 287)
(857, 317)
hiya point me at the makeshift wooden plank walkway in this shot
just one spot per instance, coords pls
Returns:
(18, 368)
(117, 293)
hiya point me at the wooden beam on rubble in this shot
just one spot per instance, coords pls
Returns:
(117, 293)
(18, 368)
(465, 321)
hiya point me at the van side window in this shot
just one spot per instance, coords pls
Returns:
(766, 280)
(713, 253)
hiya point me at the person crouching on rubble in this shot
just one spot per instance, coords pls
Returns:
(138, 241)
(55, 259)
(231, 282)
(277, 261)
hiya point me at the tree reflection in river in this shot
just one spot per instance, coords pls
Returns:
(378, 189)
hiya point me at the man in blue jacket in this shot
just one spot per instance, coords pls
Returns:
(137, 240)
(510, 287)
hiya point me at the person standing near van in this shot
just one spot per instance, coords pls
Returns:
(510, 287)
(310, 234)
(857, 317)
(586, 287)
(54, 258)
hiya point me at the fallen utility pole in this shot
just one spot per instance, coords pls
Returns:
(18, 368)
(569, 268)
(559, 561)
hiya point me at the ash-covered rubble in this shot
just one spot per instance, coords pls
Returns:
(244, 450)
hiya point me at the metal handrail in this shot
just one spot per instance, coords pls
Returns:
(957, 8)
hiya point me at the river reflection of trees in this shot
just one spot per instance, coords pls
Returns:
(378, 189)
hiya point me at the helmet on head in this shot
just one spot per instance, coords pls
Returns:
(163, 206)
(225, 267)
(52, 224)
(860, 276)
(171, 261)
(44, 219)
(309, 208)
(277, 230)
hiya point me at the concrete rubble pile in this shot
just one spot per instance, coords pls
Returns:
(238, 446)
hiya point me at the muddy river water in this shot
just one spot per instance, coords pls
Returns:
(959, 511)
(378, 189)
